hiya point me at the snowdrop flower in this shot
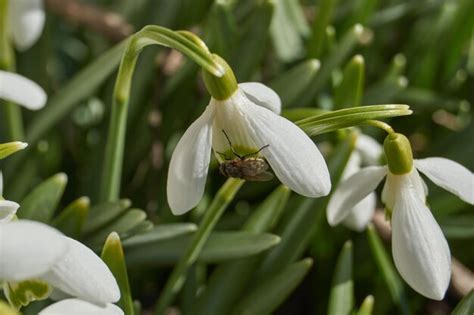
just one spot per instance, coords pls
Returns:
(26, 22)
(35, 251)
(248, 113)
(22, 91)
(420, 250)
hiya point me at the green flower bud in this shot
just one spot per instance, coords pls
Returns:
(221, 88)
(398, 154)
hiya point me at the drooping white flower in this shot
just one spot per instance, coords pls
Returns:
(22, 91)
(249, 116)
(80, 307)
(33, 250)
(420, 250)
(367, 151)
(26, 22)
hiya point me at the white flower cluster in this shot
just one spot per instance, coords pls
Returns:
(250, 118)
(32, 250)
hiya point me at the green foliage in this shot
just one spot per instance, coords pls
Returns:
(341, 298)
(254, 254)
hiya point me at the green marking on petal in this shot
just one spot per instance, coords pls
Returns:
(20, 294)
(5, 309)
(240, 150)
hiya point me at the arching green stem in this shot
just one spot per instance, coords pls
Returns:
(149, 35)
(380, 124)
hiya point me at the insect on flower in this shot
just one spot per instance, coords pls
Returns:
(248, 167)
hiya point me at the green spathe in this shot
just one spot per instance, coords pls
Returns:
(221, 88)
(398, 154)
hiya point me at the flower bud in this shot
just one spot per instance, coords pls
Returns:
(221, 88)
(398, 154)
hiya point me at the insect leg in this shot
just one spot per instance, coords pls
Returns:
(222, 154)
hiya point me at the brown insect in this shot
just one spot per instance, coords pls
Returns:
(245, 166)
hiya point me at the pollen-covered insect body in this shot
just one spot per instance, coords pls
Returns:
(248, 167)
(251, 168)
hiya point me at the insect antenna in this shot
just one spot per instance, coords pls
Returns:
(230, 145)
(258, 151)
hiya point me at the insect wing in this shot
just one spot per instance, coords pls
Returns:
(260, 177)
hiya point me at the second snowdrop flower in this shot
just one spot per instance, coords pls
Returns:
(249, 114)
(35, 252)
(22, 91)
(420, 250)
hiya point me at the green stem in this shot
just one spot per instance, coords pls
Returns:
(175, 282)
(11, 112)
(112, 172)
(149, 35)
(380, 124)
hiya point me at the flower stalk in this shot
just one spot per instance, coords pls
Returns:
(11, 111)
(149, 35)
(222, 199)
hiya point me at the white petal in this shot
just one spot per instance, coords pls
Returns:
(26, 18)
(1, 184)
(369, 149)
(28, 249)
(352, 165)
(189, 165)
(79, 307)
(81, 273)
(7, 210)
(262, 95)
(361, 214)
(22, 91)
(293, 156)
(449, 175)
(393, 182)
(351, 191)
(419, 248)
